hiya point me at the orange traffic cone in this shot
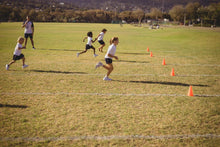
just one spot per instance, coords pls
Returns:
(148, 49)
(172, 72)
(164, 63)
(151, 54)
(190, 93)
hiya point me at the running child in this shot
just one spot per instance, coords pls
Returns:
(17, 54)
(88, 45)
(100, 40)
(108, 58)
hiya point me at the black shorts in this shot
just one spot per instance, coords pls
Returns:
(88, 47)
(108, 60)
(101, 42)
(28, 35)
(15, 57)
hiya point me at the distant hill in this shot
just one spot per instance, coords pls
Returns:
(109, 5)
(122, 5)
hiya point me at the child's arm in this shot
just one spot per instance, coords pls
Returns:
(32, 30)
(97, 37)
(110, 55)
(20, 48)
(94, 40)
(84, 39)
(24, 25)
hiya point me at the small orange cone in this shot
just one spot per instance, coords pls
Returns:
(148, 49)
(190, 93)
(151, 54)
(164, 63)
(172, 72)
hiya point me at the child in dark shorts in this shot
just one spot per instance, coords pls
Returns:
(88, 45)
(17, 53)
(100, 39)
(108, 58)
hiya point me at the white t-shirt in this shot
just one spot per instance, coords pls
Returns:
(17, 52)
(101, 36)
(89, 41)
(111, 50)
(28, 27)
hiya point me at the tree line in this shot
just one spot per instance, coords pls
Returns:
(192, 13)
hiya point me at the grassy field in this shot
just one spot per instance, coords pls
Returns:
(60, 96)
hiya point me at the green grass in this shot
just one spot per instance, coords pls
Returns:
(54, 68)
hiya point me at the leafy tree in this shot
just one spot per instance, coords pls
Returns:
(155, 13)
(177, 13)
(139, 15)
(191, 11)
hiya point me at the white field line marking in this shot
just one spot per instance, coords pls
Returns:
(103, 94)
(77, 74)
(112, 137)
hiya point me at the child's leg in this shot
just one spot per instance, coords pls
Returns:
(13, 61)
(25, 41)
(23, 60)
(102, 46)
(83, 51)
(109, 67)
(93, 49)
(32, 42)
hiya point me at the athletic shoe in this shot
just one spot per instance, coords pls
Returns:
(95, 55)
(7, 67)
(106, 79)
(98, 65)
(33, 48)
(77, 54)
(24, 66)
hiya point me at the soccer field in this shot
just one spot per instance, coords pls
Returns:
(61, 100)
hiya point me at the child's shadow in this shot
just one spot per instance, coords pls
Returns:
(58, 72)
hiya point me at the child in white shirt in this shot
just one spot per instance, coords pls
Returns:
(108, 58)
(17, 54)
(100, 40)
(88, 45)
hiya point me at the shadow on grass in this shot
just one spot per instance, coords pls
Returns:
(13, 106)
(61, 72)
(60, 50)
(130, 61)
(164, 83)
(169, 83)
(133, 53)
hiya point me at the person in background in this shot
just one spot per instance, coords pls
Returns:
(100, 39)
(28, 31)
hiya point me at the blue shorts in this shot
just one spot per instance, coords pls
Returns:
(108, 60)
(101, 42)
(15, 57)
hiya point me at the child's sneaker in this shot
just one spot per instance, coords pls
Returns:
(106, 79)
(98, 65)
(95, 55)
(77, 54)
(24, 66)
(34, 48)
(7, 67)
